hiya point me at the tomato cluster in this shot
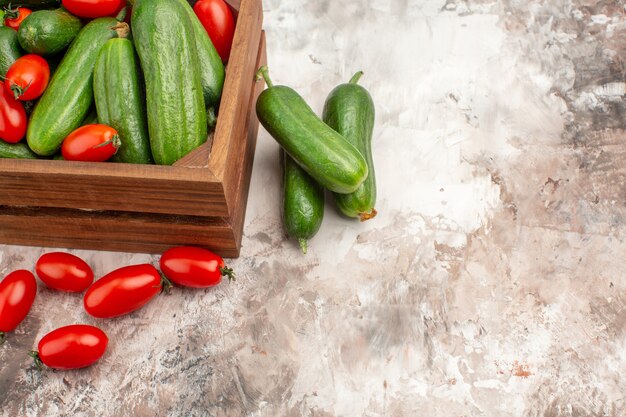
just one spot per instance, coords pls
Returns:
(118, 293)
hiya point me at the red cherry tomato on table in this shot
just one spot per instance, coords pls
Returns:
(219, 22)
(17, 294)
(13, 120)
(64, 272)
(94, 8)
(91, 143)
(28, 77)
(71, 347)
(13, 18)
(194, 267)
(123, 291)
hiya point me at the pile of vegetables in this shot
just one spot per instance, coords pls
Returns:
(100, 80)
(116, 294)
(333, 152)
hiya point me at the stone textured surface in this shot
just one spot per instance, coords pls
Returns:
(492, 283)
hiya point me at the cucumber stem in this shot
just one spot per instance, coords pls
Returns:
(356, 77)
(264, 73)
(211, 118)
(38, 363)
(363, 217)
(228, 272)
(303, 245)
(122, 29)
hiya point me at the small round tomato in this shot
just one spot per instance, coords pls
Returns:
(94, 8)
(28, 77)
(64, 272)
(71, 347)
(91, 143)
(17, 294)
(13, 119)
(194, 267)
(219, 22)
(123, 291)
(13, 18)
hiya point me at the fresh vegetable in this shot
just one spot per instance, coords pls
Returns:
(64, 272)
(47, 32)
(211, 67)
(68, 98)
(91, 143)
(219, 22)
(28, 77)
(93, 8)
(13, 18)
(194, 267)
(71, 347)
(13, 121)
(10, 49)
(123, 291)
(318, 149)
(16, 151)
(349, 110)
(31, 4)
(120, 100)
(17, 294)
(177, 120)
(303, 202)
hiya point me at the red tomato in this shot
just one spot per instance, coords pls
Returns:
(194, 267)
(92, 143)
(123, 291)
(94, 8)
(64, 272)
(28, 77)
(13, 18)
(13, 120)
(219, 22)
(17, 294)
(71, 347)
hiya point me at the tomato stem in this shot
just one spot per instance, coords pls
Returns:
(226, 271)
(166, 284)
(303, 245)
(356, 77)
(3, 338)
(115, 141)
(10, 13)
(35, 355)
(263, 73)
(368, 216)
(18, 90)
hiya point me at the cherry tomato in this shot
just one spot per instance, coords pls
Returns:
(13, 120)
(219, 22)
(28, 77)
(71, 347)
(64, 272)
(13, 18)
(17, 294)
(92, 143)
(123, 291)
(94, 8)
(194, 267)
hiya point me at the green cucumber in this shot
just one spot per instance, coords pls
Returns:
(10, 49)
(303, 202)
(177, 117)
(322, 152)
(117, 86)
(31, 4)
(66, 101)
(349, 110)
(211, 65)
(16, 151)
(47, 32)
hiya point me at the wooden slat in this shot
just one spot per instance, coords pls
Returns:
(230, 136)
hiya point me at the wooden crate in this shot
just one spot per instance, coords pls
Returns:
(201, 200)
